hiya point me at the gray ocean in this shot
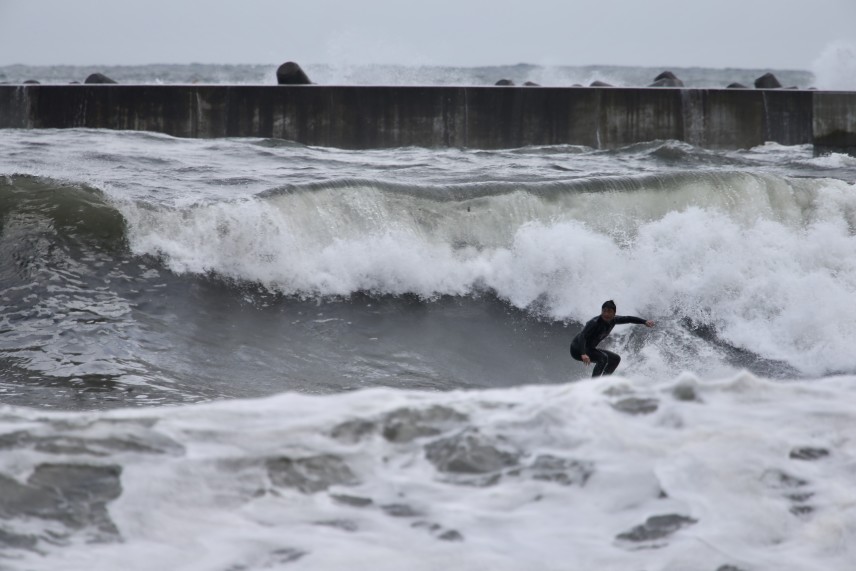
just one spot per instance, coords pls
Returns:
(253, 354)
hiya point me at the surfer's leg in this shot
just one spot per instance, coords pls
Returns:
(614, 360)
(600, 359)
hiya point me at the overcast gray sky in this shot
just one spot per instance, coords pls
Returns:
(774, 34)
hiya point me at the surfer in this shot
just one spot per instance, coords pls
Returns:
(584, 346)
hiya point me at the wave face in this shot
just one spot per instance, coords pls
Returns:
(755, 258)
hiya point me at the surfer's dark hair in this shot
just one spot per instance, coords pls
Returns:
(608, 304)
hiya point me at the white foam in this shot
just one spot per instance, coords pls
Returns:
(833, 161)
(722, 458)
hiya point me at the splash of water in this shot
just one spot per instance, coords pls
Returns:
(835, 68)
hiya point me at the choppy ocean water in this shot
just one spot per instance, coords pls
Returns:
(252, 354)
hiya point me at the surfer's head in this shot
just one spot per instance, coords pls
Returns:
(607, 310)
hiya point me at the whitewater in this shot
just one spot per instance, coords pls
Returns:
(741, 473)
(243, 354)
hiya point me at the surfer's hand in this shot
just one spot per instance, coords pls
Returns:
(586, 360)
(649, 323)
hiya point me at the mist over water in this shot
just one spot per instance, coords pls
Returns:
(252, 354)
(830, 67)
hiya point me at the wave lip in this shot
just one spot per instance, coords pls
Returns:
(273, 227)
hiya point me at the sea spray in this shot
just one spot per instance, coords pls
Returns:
(835, 67)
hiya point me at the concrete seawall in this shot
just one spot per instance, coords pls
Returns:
(362, 117)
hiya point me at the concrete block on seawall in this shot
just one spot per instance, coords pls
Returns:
(767, 81)
(667, 79)
(291, 73)
(99, 78)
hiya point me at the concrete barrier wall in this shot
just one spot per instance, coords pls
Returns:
(360, 117)
(834, 122)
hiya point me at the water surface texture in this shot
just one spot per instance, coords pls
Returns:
(252, 354)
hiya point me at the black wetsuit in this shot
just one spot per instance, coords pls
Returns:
(595, 331)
